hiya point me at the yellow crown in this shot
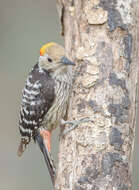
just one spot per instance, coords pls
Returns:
(44, 47)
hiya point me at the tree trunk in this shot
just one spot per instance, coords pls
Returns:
(102, 37)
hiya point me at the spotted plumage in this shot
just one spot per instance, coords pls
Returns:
(45, 99)
(37, 97)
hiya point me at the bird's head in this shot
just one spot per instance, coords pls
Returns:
(52, 57)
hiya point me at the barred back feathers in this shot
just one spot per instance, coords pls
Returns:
(37, 97)
(45, 99)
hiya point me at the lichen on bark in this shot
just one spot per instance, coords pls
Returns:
(100, 37)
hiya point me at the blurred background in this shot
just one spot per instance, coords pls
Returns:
(24, 27)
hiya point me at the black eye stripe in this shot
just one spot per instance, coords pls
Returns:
(49, 59)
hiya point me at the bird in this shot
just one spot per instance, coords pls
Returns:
(45, 98)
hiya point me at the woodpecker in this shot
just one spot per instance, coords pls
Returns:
(44, 100)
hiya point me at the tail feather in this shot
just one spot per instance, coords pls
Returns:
(22, 146)
(47, 155)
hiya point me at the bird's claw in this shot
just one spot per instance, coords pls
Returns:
(73, 124)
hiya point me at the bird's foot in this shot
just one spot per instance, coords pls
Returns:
(73, 124)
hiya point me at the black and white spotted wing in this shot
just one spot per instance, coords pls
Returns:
(37, 98)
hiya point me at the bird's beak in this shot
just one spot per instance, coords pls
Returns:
(66, 61)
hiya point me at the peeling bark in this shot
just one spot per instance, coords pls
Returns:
(101, 36)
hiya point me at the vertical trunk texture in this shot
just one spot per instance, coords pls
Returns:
(102, 37)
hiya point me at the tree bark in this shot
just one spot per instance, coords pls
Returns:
(102, 37)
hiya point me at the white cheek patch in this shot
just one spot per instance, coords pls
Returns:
(41, 70)
(43, 58)
(42, 61)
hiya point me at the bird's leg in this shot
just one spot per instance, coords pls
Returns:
(73, 124)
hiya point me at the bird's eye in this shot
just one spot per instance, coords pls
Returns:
(49, 59)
